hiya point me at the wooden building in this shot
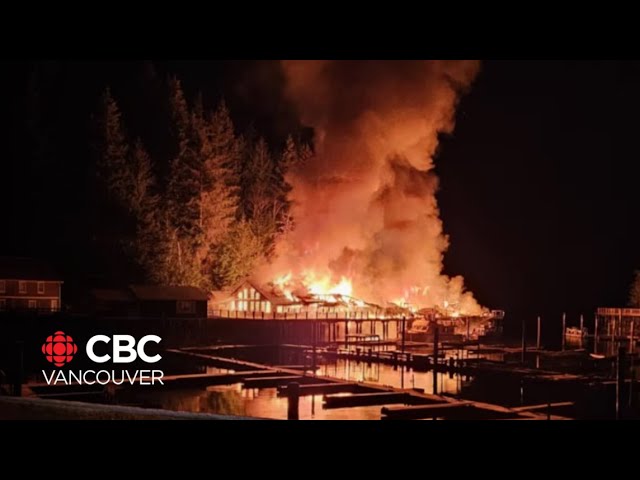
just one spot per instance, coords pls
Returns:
(249, 299)
(155, 301)
(29, 284)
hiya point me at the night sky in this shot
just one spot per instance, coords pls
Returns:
(538, 181)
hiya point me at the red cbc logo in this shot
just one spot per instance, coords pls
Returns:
(59, 348)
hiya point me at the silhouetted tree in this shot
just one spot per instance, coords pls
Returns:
(112, 165)
(634, 291)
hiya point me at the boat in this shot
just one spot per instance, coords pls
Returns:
(422, 330)
(575, 332)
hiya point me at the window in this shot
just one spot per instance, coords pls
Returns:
(3, 304)
(186, 306)
(22, 287)
(54, 305)
(33, 304)
(3, 286)
(40, 288)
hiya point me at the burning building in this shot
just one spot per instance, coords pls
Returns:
(367, 222)
(249, 299)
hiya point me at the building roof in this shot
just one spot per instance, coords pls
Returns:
(22, 268)
(230, 294)
(160, 292)
(112, 295)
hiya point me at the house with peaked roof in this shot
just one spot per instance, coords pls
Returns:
(249, 299)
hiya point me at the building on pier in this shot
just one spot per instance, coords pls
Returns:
(617, 323)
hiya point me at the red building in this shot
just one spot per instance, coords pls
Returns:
(28, 284)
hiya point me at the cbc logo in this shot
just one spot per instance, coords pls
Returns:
(59, 349)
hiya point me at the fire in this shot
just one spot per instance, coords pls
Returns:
(324, 286)
(365, 204)
(284, 284)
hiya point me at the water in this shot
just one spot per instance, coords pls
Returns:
(234, 400)
(500, 389)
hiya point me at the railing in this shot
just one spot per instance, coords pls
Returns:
(218, 313)
(623, 312)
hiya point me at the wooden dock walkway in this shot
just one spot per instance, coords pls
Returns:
(409, 403)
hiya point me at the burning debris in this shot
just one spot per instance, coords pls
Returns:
(250, 299)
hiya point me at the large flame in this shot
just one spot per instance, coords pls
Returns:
(365, 207)
(324, 286)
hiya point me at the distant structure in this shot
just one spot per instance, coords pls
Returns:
(150, 301)
(29, 284)
(617, 323)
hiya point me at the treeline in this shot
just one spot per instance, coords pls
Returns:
(215, 210)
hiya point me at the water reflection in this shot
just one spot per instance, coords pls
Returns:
(397, 377)
(234, 400)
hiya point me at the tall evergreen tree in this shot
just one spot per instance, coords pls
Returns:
(237, 255)
(142, 196)
(113, 150)
(634, 291)
(184, 194)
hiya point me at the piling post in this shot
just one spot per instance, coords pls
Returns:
(468, 321)
(538, 339)
(595, 336)
(404, 331)
(632, 379)
(524, 343)
(619, 331)
(293, 395)
(315, 341)
(346, 333)
(436, 340)
(633, 324)
(19, 370)
(619, 382)
(564, 329)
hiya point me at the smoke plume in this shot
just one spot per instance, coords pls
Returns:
(365, 206)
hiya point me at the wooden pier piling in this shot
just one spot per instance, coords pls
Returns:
(524, 342)
(293, 396)
(436, 340)
(619, 382)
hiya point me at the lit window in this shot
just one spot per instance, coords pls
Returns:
(268, 307)
(54, 305)
(40, 288)
(185, 306)
(22, 287)
(3, 286)
(33, 304)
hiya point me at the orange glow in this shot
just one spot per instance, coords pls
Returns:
(324, 286)
(284, 284)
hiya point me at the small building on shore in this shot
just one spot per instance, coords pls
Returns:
(150, 301)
